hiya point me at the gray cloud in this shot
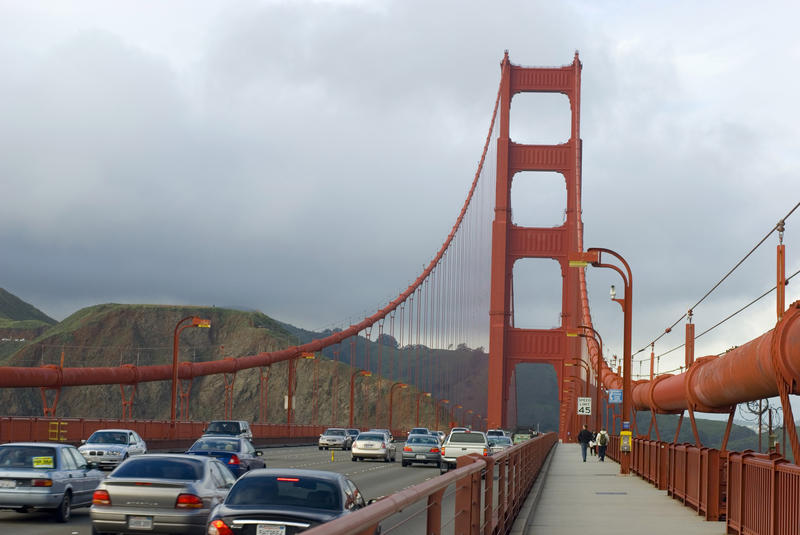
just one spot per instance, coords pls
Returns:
(307, 158)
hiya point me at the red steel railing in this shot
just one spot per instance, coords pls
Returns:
(756, 494)
(476, 507)
(763, 494)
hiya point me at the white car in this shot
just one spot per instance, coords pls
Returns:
(109, 447)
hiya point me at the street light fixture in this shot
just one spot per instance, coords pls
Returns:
(598, 362)
(420, 395)
(391, 393)
(438, 407)
(179, 327)
(352, 385)
(593, 256)
(452, 412)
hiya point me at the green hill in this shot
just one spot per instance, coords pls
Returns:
(16, 313)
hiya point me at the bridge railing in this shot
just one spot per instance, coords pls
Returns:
(756, 494)
(763, 494)
(157, 433)
(477, 507)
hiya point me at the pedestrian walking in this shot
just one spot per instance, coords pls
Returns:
(593, 444)
(602, 444)
(584, 437)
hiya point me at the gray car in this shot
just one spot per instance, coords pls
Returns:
(46, 476)
(422, 449)
(335, 437)
(109, 447)
(160, 493)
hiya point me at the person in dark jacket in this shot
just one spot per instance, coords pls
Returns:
(584, 437)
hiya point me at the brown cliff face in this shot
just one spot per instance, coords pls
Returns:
(140, 335)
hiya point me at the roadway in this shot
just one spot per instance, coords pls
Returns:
(373, 478)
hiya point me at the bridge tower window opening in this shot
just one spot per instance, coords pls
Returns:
(537, 294)
(540, 118)
(538, 199)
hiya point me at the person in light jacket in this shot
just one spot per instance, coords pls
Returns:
(602, 443)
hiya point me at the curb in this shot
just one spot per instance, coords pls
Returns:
(525, 516)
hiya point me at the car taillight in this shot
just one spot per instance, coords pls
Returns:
(218, 527)
(188, 501)
(434, 450)
(407, 448)
(101, 497)
(485, 451)
(234, 459)
(443, 453)
(41, 482)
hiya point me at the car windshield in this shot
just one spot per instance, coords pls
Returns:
(469, 438)
(501, 440)
(215, 444)
(108, 437)
(227, 428)
(149, 467)
(418, 431)
(422, 440)
(271, 491)
(371, 436)
(335, 432)
(27, 457)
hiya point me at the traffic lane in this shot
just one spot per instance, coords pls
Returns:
(42, 523)
(374, 478)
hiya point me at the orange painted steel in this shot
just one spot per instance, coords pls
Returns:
(763, 494)
(517, 469)
(509, 345)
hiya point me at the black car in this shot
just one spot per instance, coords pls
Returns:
(288, 500)
(238, 454)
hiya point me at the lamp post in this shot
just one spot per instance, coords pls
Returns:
(179, 327)
(627, 309)
(438, 408)
(600, 360)
(452, 412)
(391, 393)
(352, 385)
(420, 395)
(585, 366)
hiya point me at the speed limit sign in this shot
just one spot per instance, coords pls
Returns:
(585, 406)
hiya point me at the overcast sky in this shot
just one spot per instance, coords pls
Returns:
(306, 159)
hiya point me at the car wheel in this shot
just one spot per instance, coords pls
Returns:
(443, 467)
(354, 459)
(404, 463)
(64, 510)
(320, 448)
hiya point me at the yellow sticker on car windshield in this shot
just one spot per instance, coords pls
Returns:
(43, 462)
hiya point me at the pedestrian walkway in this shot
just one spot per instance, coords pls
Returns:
(593, 498)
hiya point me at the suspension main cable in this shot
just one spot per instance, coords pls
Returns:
(754, 301)
(773, 229)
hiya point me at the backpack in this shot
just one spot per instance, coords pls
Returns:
(602, 439)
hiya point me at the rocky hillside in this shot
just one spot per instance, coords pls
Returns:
(115, 334)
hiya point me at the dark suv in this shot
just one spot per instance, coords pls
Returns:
(229, 428)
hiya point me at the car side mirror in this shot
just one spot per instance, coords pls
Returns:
(491, 444)
(83, 441)
(259, 453)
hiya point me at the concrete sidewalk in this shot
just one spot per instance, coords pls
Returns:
(592, 498)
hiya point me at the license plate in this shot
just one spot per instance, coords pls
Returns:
(140, 522)
(8, 483)
(420, 456)
(264, 529)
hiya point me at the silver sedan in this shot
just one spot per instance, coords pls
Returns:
(109, 447)
(422, 449)
(160, 493)
(373, 446)
(45, 475)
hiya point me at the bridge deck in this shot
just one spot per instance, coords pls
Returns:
(592, 498)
